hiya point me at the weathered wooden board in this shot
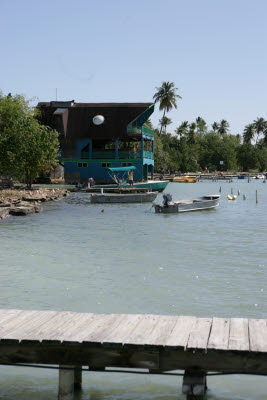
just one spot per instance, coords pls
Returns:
(219, 335)
(258, 335)
(143, 330)
(199, 336)
(179, 336)
(239, 335)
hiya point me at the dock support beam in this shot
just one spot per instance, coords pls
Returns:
(194, 384)
(66, 383)
(78, 378)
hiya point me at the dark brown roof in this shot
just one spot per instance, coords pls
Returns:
(77, 121)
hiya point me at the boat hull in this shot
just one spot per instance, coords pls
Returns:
(110, 198)
(198, 204)
(153, 186)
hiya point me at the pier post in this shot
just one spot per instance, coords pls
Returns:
(194, 384)
(66, 383)
(78, 377)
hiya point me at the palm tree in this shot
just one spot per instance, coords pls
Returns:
(223, 127)
(192, 133)
(166, 96)
(249, 133)
(260, 125)
(215, 126)
(165, 121)
(201, 125)
(181, 130)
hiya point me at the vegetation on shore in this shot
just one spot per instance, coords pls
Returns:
(196, 146)
(26, 147)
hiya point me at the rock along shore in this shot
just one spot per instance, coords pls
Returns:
(23, 202)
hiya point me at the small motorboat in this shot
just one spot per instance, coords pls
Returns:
(145, 197)
(200, 203)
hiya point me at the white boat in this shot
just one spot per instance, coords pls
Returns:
(200, 203)
(145, 197)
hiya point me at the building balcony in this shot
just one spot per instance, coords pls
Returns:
(111, 155)
(135, 130)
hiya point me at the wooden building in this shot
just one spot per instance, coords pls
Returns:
(94, 136)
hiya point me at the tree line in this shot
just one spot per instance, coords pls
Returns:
(26, 147)
(196, 146)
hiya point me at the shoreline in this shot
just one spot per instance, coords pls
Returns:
(21, 202)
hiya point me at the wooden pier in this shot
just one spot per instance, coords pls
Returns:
(158, 344)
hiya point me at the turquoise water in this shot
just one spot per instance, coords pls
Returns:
(127, 259)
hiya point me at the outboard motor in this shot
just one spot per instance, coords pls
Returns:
(167, 198)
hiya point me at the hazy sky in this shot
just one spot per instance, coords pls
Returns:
(215, 51)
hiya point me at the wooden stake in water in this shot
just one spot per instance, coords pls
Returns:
(232, 191)
(220, 190)
(244, 197)
(238, 192)
(256, 197)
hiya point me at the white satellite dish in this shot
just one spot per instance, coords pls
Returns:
(98, 119)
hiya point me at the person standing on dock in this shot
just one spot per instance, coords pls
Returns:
(130, 178)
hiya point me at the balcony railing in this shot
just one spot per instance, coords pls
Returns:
(147, 131)
(140, 130)
(148, 154)
(111, 155)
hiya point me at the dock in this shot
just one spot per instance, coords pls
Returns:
(154, 343)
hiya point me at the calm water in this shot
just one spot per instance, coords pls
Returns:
(127, 259)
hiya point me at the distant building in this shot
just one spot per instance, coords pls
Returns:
(94, 136)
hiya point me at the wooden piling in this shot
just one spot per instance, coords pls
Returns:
(194, 384)
(256, 197)
(66, 383)
(78, 378)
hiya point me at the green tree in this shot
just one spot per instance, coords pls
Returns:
(215, 126)
(249, 133)
(260, 125)
(182, 129)
(223, 127)
(26, 147)
(164, 122)
(201, 126)
(247, 156)
(167, 97)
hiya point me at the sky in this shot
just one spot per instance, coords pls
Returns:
(215, 52)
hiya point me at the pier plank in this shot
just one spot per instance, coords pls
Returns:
(7, 315)
(73, 333)
(123, 330)
(61, 322)
(103, 327)
(199, 336)
(142, 331)
(161, 331)
(27, 329)
(219, 335)
(16, 322)
(258, 335)
(238, 335)
(84, 332)
(179, 336)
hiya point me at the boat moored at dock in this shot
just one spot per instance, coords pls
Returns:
(132, 197)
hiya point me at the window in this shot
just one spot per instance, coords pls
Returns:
(126, 164)
(106, 165)
(82, 165)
